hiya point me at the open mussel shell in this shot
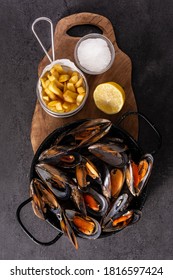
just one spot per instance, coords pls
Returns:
(121, 220)
(70, 160)
(42, 198)
(105, 178)
(84, 226)
(137, 175)
(68, 230)
(113, 154)
(106, 181)
(38, 205)
(61, 156)
(55, 179)
(44, 203)
(86, 171)
(53, 154)
(92, 170)
(90, 131)
(78, 199)
(96, 204)
(118, 205)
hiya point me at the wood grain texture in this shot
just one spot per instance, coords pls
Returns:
(120, 72)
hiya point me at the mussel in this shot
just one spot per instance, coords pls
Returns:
(121, 220)
(55, 179)
(70, 160)
(90, 131)
(113, 154)
(137, 174)
(78, 199)
(86, 169)
(96, 204)
(61, 156)
(45, 204)
(53, 154)
(118, 205)
(105, 180)
(85, 227)
(67, 230)
(42, 199)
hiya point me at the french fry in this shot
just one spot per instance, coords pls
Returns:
(79, 83)
(54, 73)
(74, 106)
(80, 90)
(55, 89)
(59, 107)
(53, 103)
(66, 106)
(65, 87)
(46, 98)
(80, 98)
(59, 85)
(51, 95)
(70, 96)
(74, 79)
(63, 78)
(45, 83)
(74, 73)
(51, 78)
(71, 87)
(59, 68)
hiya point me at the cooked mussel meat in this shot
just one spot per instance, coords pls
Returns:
(117, 181)
(81, 175)
(137, 174)
(121, 220)
(86, 227)
(96, 204)
(118, 205)
(62, 156)
(70, 160)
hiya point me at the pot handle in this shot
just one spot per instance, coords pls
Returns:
(23, 204)
(159, 137)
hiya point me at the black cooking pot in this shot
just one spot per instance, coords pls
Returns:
(115, 131)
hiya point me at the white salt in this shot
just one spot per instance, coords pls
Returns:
(94, 54)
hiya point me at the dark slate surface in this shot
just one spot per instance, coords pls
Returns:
(143, 30)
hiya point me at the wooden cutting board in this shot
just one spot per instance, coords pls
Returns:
(120, 72)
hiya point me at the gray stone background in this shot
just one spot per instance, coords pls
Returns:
(144, 31)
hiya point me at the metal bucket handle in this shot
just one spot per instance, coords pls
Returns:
(52, 38)
(159, 137)
(18, 212)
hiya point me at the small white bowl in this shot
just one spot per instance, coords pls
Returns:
(67, 65)
(94, 36)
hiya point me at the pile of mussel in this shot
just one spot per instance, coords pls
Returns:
(88, 181)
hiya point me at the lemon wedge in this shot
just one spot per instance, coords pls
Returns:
(109, 97)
